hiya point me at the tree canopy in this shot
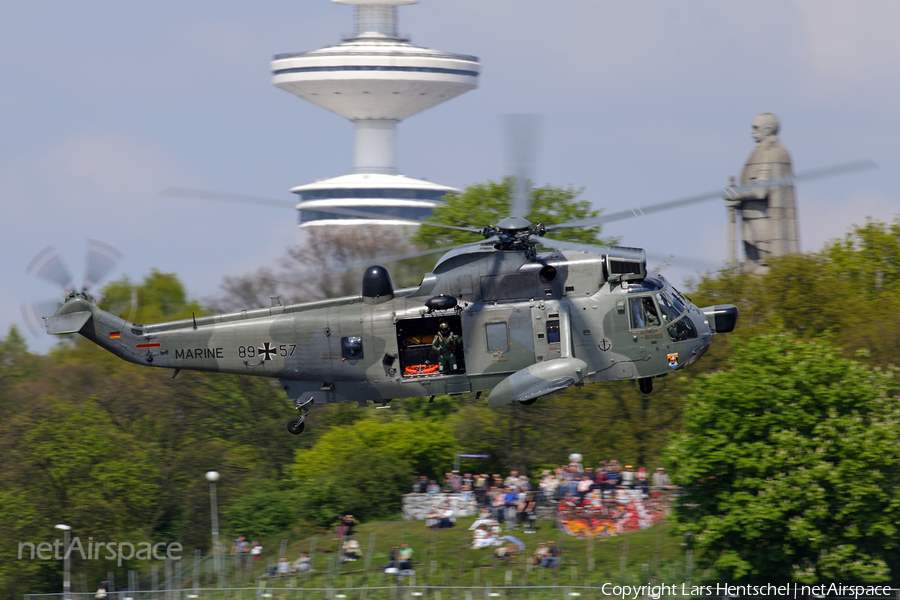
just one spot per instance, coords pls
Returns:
(487, 203)
(790, 464)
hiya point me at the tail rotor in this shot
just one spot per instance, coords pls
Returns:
(49, 266)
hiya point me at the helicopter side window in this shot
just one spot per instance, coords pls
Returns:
(650, 311)
(643, 312)
(637, 314)
(497, 337)
(351, 348)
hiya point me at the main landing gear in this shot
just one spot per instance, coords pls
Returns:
(296, 426)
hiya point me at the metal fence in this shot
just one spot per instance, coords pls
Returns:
(399, 592)
(414, 592)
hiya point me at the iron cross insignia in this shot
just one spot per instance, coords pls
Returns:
(267, 351)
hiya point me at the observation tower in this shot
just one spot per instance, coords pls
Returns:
(375, 78)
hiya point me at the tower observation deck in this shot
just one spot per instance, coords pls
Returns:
(375, 78)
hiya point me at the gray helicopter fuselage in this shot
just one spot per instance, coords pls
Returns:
(555, 319)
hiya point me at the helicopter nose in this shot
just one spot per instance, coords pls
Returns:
(698, 348)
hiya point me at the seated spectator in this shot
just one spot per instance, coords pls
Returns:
(302, 564)
(284, 567)
(510, 550)
(584, 486)
(433, 518)
(483, 519)
(406, 554)
(539, 553)
(394, 560)
(481, 538)
(350, 550)
(433, 488)
(447, 519)
(551, 559)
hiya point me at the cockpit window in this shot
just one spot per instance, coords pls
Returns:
(682, 330)
(678, 295)
(671, 308)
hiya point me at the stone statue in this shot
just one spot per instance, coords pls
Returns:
(768, 215)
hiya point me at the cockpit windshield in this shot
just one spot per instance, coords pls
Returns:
(667, 304)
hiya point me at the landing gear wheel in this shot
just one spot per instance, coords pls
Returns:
(646, 385)
(528, 402)
(296, 426)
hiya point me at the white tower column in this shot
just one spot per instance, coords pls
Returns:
(374, 20)
(375, 146)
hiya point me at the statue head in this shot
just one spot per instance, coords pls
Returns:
(763, 126)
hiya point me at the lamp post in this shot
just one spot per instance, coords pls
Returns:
(67, 581)
(212, 477)
(688, 556)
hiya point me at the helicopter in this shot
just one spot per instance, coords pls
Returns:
(527, 316)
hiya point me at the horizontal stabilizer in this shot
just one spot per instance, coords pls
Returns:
(67, 323)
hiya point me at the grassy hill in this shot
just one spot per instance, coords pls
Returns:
(444, 558)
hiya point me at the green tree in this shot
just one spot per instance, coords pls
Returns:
(159, 297)
(790, 465)
(487, 203)
(366, 466)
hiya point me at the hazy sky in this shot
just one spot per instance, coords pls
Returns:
(105, 104)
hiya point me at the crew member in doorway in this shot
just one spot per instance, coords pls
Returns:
(445, 344)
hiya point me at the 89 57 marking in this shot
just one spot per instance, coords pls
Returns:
(266, 351)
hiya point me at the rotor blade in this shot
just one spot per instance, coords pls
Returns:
(522, 132)
(101, 259)
(725, 192)
(34, 313)
(48, 265)
(239, 198)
